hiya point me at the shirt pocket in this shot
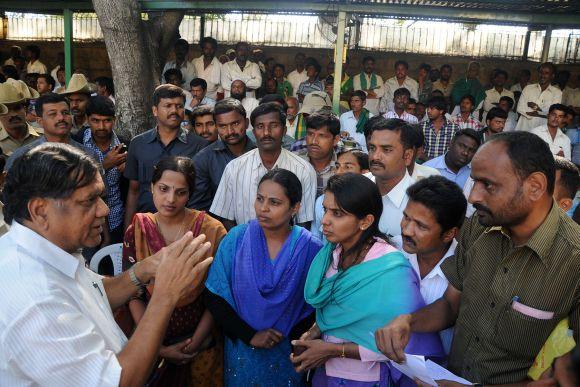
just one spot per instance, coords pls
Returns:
(522, 334)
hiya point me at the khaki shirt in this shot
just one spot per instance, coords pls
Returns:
(8, 144)
(493, 342)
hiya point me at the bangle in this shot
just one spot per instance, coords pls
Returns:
(343, 355)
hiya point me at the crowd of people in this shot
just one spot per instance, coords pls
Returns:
(265, 240)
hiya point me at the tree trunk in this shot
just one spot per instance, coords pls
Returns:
(137, 50)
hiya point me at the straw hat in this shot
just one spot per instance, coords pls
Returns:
(315, 101)
(3, 109)
(77, 84)
(26, 91)
(10, 95)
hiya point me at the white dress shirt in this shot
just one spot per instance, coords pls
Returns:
(421, 171)
(466, 192)
(544, 99)
(559, 143)
(408, 118)
(236, 193)
(211, 74)
(36, 68)
(250, 103)
(511, 122)
(492, 97)
(391, 85)
(54, 76)
(571, 97)
(372, 104)
(187, 71)
(348, 124)
(295, 78)
(394, 202)
(250, 75)
(433, 285)
(56, 324)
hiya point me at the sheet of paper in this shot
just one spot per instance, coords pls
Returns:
(439, 373)
(415, 368)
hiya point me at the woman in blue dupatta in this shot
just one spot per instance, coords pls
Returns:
(357, 283)
(255, 287)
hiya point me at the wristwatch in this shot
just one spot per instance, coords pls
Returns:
(135, 280)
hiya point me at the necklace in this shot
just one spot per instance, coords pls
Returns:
(175, 236)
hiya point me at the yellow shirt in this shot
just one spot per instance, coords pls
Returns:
(8, 144)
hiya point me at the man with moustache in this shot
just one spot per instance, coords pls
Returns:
(371, 83)
(14, 130)
(168, 138)
(238, 91)
(112, 154)
(208, 67)
(236, 193)
(78, 93)
(391, 146)
(203, 123)
(55, 118)
(242, 69)
(502, 296)
(430, 224)
(231, 124)
(537, 98)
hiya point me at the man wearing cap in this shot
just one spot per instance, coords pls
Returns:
(30, 96)
(54, 116)
(244, 70)
(313, 102)
(78, 93)
(14, 130)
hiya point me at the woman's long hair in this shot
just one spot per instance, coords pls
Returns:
(358, 195)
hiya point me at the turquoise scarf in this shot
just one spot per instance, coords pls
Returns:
(353, 304)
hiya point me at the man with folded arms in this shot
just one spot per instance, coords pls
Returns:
(56, 315)
(514, 275)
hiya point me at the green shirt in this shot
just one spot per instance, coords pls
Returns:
(493, 343)
(284, 89)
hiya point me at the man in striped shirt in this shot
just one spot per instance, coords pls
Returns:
(236, 193)
(431, 221)
(514, 275)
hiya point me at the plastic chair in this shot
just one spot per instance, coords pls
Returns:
(115, 252)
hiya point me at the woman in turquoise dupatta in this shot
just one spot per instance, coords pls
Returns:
(256, 287)
(357, 283)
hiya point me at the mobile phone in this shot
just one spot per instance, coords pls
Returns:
(123, 148)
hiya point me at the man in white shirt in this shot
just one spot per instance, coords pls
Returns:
(523, 81)
(399, 80)
(181, 63)
(400, 101)
(236, 193)
(243, 69)
(352, 122)
(15, 52)
(431, 221)
(59, 65)
(298, 76)
(34, 65)
(371, 83)
(208, 67)
(56, 315)
(238, 91)
(537, 98)
(390, 144)
(493, 95)
(506, 104)
(552, 134)
(292, 116)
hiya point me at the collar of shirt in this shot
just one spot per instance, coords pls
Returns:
(44, 250)
(436, 271)
(234, 63)
(31, 132)
(542, 239)
(304, 154)
(220, 146)
(257, 160)
(214, 62)
(397, 194)
(559, 134)
(439, 163)
(90, 142)
(154, 135)
(459, 118)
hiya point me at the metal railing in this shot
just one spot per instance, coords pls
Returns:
(438, 38)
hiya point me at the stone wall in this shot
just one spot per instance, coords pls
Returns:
(93, 58)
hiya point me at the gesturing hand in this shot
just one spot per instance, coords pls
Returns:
(266, 339)
(392, 339)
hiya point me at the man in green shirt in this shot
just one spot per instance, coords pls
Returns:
(515, 272)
